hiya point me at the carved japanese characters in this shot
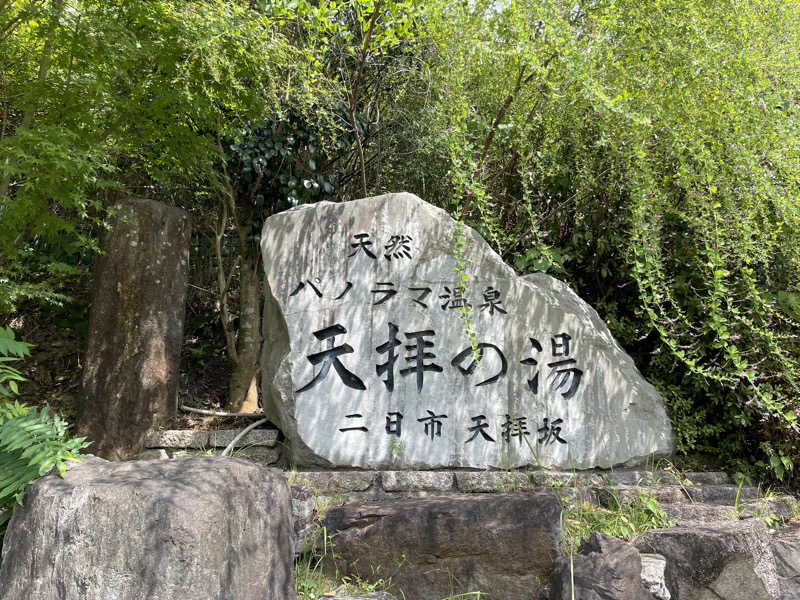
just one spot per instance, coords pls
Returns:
(380, 354)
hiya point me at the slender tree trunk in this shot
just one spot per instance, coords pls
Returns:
(356, 90)
(243, 385)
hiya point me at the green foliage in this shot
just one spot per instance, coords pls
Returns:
(101, 100)
(32, 442)
(622, 517)
(646, 152)
(279, 164)
(11, 350)
(649, 154)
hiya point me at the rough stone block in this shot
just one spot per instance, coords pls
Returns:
(493, 481)
(722, 494)
(303, 519)
(718, 559)
(635, 477)
(503, 545)
(201, 527)
(604, 569)
(257, 437)
(153, 454)
(669, 493)
(415, 481)
(708, 477)
(260, 454)
(684, 512)
(131, 370)
(333, 482)
(555, 479)
(177, 438)
(653, 566)
(785, 546)
(781, 509)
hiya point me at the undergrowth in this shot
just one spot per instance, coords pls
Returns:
(32, 442)
(619, 516)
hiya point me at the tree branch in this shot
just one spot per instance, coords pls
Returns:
(508, 101)
(14, 21)
(502, 113)
(354, 93)
(223, 282)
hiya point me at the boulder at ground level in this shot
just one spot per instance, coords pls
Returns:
(718, 559)
(604, 569)
(205, 528)
(786, 551)
(503, 545)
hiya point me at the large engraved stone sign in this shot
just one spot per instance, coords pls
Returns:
(368, 359)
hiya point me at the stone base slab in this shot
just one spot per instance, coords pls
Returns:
(388, 482)
(217, 438)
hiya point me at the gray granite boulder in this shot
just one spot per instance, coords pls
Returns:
(397, 339)
(503, 545)
(605, 568)
(720, 559)
(786, 551)
(653, 567)
(206, 528)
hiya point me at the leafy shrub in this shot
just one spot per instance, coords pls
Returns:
(11, 350)
(32, 440)
(662, 185)
(625, 518)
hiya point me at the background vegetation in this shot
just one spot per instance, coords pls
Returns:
(647, 153)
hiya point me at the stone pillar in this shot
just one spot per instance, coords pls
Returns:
(130, 376)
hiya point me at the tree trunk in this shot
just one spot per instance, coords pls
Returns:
(243, 385)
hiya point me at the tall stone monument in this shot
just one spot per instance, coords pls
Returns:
(395, 338)
(130, 375)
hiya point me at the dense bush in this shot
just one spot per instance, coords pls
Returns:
(649, 153)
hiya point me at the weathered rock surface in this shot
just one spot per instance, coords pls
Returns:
(307, 532)
(130, 376)
(722, 559)
(205, 528)
(367, 362)
(683, 511)
(653, 566)
(503, 545)
(177, 438)
(605, 568)
(786, 551)
(372, 596)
